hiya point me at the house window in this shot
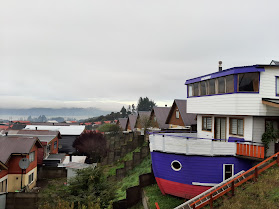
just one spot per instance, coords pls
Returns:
(203, 87)
(55, 145)
(30, 178)
(32, 156)
(206, 123)
(277, 86)
(190, 90)
(211, 86)
(3, 186)
(236, 126)
(248, 82)
(177, 114)
(221, 85)
(228, 171)
(230, 84)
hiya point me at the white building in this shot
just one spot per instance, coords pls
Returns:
(236, 104)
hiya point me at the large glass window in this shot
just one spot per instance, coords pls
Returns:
(30, 178)
(221, 85)
(196, 89)
(211, 86)
(203, 88)
(236, 126)
(248, 82)
(190, 90)
(277, 86)
(230, 84)
(206, 123)
(32, 156)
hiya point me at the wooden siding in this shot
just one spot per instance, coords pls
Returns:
(172, 144)
(173, 120)
(239, 103)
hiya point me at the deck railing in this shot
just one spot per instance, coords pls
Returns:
(250, 150)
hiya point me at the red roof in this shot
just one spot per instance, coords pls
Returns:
(107, 121)
(3, 127)
(98, 123)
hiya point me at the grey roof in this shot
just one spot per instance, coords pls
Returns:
(75, 165)
(43, 135)
(18, 126)
(123, 123)
(161, 114)
(66, 144)
(15, 145)
(188, 118)
(132, 120)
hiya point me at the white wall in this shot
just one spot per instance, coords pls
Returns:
(248, 127)
(239, 103)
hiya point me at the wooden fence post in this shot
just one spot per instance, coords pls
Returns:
(233, 188)
(211, 201)
(256, 174)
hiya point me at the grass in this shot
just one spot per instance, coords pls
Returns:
(132, 178)
(154, 194)
(110, 170)
(259, 195)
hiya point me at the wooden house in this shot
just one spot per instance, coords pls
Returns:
(131, 122)
(122, 123)
(178, 117)
(12, 150)
(142, 120)
(49, 140)
(158, 117)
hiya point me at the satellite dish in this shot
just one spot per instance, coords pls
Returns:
(24, 163)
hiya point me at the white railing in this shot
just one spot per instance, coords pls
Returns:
(190, 145)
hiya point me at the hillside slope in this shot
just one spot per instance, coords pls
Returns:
(263, 194)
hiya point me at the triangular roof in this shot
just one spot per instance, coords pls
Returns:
(142, 114)
(161, 114)
(122, 123)
(188, 118)
(132, 121)
(16, 145)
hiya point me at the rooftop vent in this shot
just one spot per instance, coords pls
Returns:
(220, 66)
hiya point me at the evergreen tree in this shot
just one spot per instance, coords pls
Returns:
(145, 104)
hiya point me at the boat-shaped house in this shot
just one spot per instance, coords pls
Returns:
(233, 108)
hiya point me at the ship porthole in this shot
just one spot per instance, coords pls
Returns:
(176, 165)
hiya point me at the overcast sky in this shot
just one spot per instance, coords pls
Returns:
(89, 53)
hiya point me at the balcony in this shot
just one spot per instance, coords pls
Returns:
(189, 144)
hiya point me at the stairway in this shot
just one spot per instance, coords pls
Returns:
(219, 189)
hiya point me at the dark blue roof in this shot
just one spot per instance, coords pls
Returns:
(230, 71)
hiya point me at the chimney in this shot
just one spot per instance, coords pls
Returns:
(6, 133)
(53, 124)
(36, 128)
(220, 66)
(166, 105)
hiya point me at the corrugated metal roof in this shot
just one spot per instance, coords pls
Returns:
(15, 145)
(161, 114)
(74, 130)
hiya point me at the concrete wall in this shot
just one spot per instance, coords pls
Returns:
(51, 173)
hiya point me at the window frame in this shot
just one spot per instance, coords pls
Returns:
(55, 144)
(237, 83)
(32, 177)
(224, 170)
(276, 85)
(32, 156)
(230, 128)
(177, 114)
(206, 117)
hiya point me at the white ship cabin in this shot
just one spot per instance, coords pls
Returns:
(236, 104)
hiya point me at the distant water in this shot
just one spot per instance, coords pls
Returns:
(24, 117)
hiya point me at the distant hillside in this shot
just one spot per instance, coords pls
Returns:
(91, 112)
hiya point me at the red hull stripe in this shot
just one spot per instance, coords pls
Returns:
(178, 189)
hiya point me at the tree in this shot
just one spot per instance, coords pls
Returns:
(133, 109)
(111, 129)
(145, 104)
(123, 112)
(129, 110)
(92, 144)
